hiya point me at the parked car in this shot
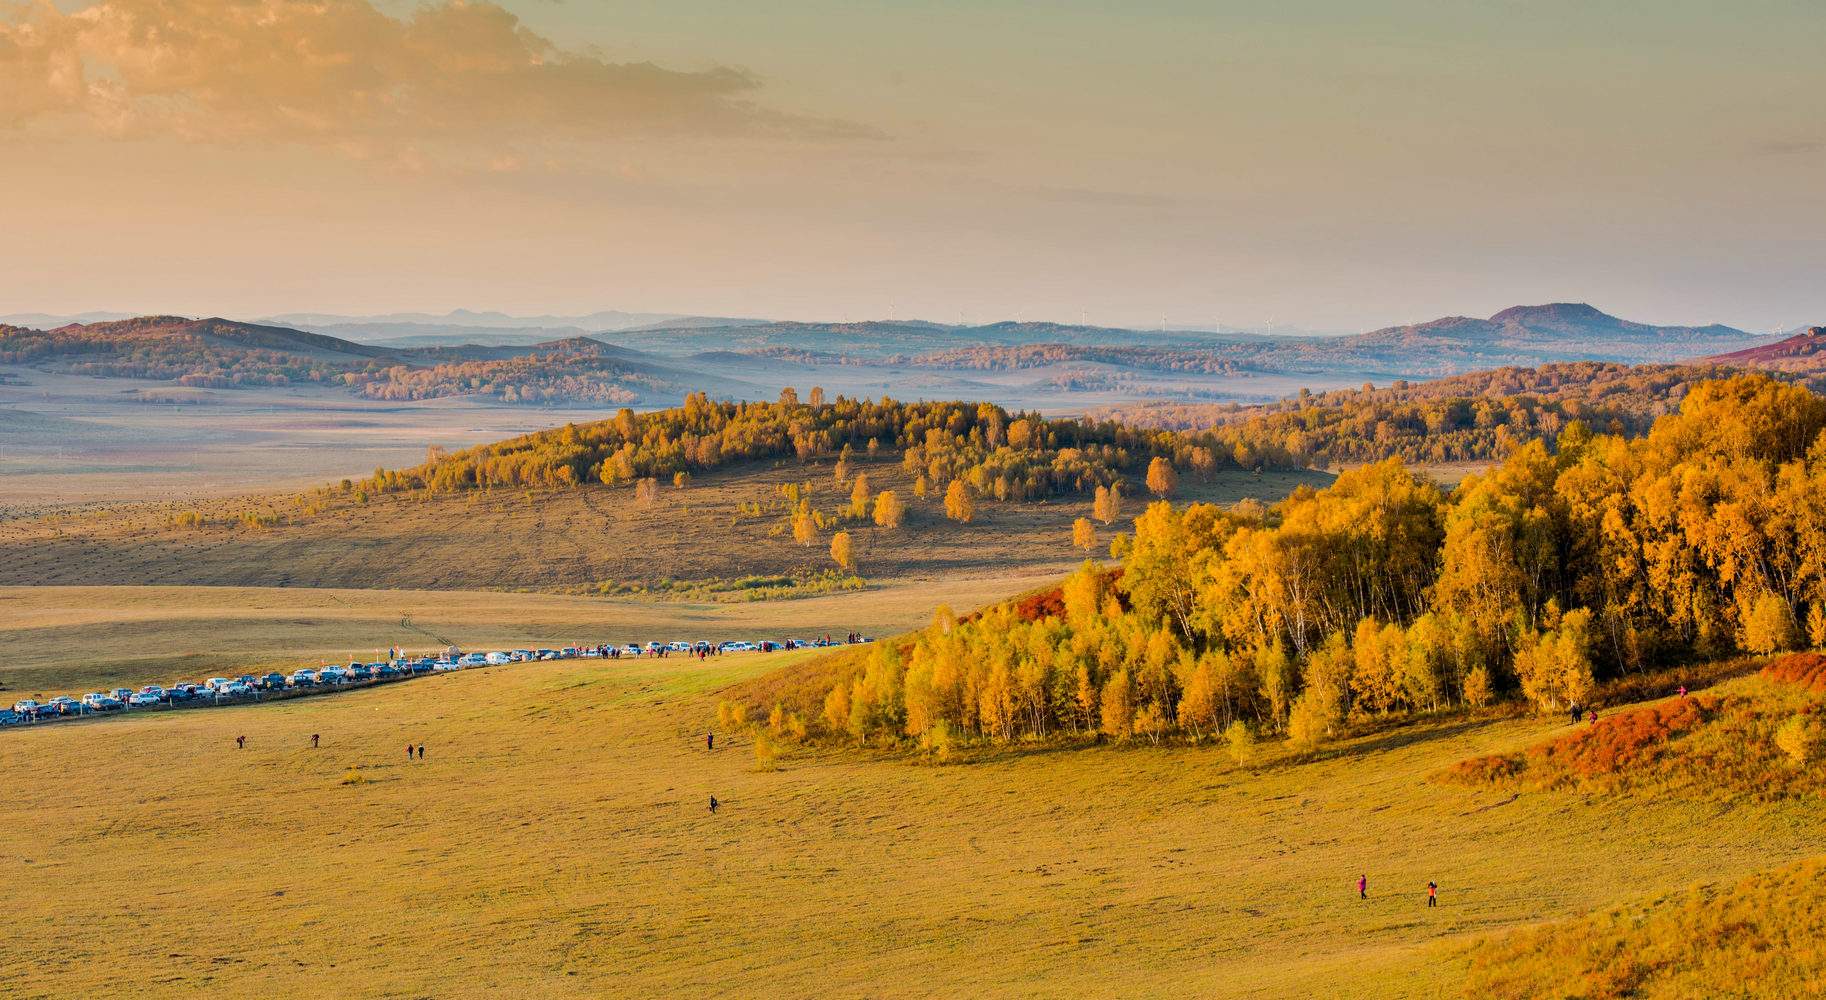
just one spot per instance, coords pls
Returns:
(331, 675)
(446, 666)
(143, 700)
(496, 659)
(236, 689)
(386, 672)
(361, 672)
(216, 683)
(304, 678)
(273, 682)
(24, 706)
(472, 660)
(92, 697)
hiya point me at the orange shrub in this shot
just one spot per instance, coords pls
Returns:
(1806, 670)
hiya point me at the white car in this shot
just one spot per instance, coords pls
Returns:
(445, 666)
(630, 650)
(496, 659)
(24, 705)
(472, 660)
(143, 700)
(216, 683)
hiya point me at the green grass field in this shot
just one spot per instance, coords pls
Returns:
(556, 842)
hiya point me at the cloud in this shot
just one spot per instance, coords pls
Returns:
(450, 75)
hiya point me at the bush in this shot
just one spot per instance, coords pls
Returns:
(1803, 739)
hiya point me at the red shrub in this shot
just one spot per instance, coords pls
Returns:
(1807, 670)
(1618, 742)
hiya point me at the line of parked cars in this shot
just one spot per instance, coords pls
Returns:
(252, 687)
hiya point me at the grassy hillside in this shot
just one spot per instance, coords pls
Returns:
(555, 842)
(1759, 936)
(567, 538)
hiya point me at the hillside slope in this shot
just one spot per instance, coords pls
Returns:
(556, 841)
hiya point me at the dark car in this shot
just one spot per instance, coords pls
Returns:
(273, 682)
(386, 672)
(360, 672)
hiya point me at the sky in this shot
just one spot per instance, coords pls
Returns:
(1314, 164)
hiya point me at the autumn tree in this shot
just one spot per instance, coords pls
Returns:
(1769, 628)
(841, 552)
(1162, 480)
(1084, 534)
(889, 512)
(959, 506)
(859, 497)
(805, 525)
(1106, 504)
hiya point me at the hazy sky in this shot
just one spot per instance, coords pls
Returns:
(1334, 165)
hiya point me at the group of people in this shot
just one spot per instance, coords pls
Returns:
(412, 750)
(1362, 883)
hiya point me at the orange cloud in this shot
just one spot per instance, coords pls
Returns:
(455, 75)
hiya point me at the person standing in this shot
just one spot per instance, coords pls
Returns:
(713, 805)
(710, 741)
(1432, 893)
(1363, 887)
(408, 751)
(313, 741)
(240, 743)
(421, 751)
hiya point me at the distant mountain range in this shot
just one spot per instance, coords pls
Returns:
(1562, 331)
(652, 360)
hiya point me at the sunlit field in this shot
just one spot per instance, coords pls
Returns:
(556, 840)
(67, 640)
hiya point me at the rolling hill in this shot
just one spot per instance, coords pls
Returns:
(223, 353)
(1803, 352)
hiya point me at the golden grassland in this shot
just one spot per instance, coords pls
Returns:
(511, 538)
(556, 842)
(67, 640)
(1765, 935)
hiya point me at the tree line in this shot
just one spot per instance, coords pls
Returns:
(1580, 558)
(965, 452)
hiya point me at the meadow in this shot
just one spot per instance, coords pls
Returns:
(556, 841)
(584, 536)
(68, 640)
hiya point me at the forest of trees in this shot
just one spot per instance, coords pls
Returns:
(1595, 557)
(978, 450)
(1473, 417)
